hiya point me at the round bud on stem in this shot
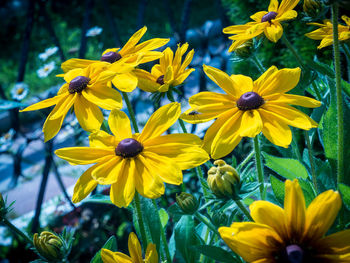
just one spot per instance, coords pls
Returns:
(187, 202)
(49, 246)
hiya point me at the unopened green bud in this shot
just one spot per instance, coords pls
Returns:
(187, 202)
(312, 7)
(49, 246)
(223, 179)
(219, 219)
(245, 50)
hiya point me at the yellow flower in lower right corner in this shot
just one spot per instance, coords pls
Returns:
(248, 108)
(135, 253)
(293, 234)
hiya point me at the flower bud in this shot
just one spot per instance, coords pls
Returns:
(245, 50)
(49, 246)
(223, 179)
(187, 202)
(220, 219)
(312, 7)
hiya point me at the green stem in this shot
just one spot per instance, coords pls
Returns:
(243, 209)
(293, 50)
(318, 94)
(295, 147)
(259, 167)
(201, 179)
(131, 111)
(258, 63)
(182, 124)
(17, 231)
(140, 220)
(311, 159)
(246, 160)
(336, 52)
(162, 235)
(206, 221)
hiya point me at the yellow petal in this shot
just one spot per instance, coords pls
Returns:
(119, 124)
(338, 242)
(287, 5)
(107, 98)
(211, 102)
(222, 80)
(84, 155)
(258, 16)
(135, 248)
(147, 180)
(122, 192)
(182, 77)
(167, 59)
(193, 116)
(236, 44)
(273, 6)
(346, 19)
(146, 81)
(108, 171)
(74, 63)
(134, 39)
(293, 100)
(262, 82)
(327, 41)
(276, 131)
(183, 149)
(321, 213)
(251, 241)
(264, 212)
(45, 103)
(163, 167)
(227, 137)
(88, 114)
(169, 74)
(126, 82)
(84, 186)
(187, 60)
(294, 207)
(112, 257)
(64, 105)
(160, 121)
(151, 44)
(251, 124)
(110, 50)
(236, 29)
(280, 81)
(242, 83)
(291, 14)
(101, 139)
(274, 31)
(151, 254)
(70, 75)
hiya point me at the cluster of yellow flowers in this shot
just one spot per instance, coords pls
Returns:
(143, 161)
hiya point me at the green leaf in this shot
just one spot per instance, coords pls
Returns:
(329, 133)
(216, 253)
(111, 244)
(278, 189)
(164, 217)
(98, 198)
(288, 168)
(185, 238)
(9, 104)
(308, 191)
(322, 68)
(345, 193)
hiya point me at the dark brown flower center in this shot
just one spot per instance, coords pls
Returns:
(250, 101)
(160, 80)
(78, 84)
(111, 57)
(128, 148)
(268, 17)
(194, 112)
(294, 254)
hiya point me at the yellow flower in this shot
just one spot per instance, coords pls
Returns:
(86, 89)
(142, 161)
(135, 253)
(264, 22)
(325, 32)
(249, 108)
(130, 55)
(292, 234)
(170, 71)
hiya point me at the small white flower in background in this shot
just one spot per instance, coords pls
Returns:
(19, 91)
(6, 140)
(46, 69)
(48, 52)
(94, 31)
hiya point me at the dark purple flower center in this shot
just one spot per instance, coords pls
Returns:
(268, 17)
(128, 148)
(160, 80)
(250, 101)
(294, 254)
(78, 84)
(111, 57)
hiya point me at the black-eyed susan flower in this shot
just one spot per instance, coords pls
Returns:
(129, 161)
(171, 71)
(325, 32)
(248, 108)
(131, 54)
(293, 234)
(135, 253)
(267, 22)
(85, 89)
